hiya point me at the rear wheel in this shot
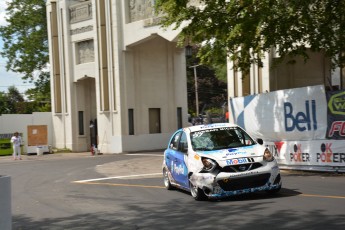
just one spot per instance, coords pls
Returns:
(166, 179)
(197, 193)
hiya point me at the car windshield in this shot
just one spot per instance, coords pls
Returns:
(220, 138)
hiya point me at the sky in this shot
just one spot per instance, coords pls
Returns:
(8, 79)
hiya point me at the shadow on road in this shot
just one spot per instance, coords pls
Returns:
(201, 216)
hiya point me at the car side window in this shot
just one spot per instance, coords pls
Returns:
(174, 144)
(183, 146)
(245, 139)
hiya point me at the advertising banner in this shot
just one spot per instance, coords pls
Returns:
(292, 114)
(301, 154)
(336, 115)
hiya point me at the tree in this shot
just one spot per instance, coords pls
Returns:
(40, 95)
(4, 108)
(244, 30)
(11, 102)
(212, 87)
(26, 43)
(25, 37)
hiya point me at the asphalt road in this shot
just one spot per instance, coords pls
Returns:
(79, 191)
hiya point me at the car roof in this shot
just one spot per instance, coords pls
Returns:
(209, 126)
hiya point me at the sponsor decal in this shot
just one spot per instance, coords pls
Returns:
(234, 154)
(298, 156)
(232, 150)
(328, 156)
(177, 169)
(199, 133)
(335, 115)
(236, 161)
(337, 127)
(247, 173)
(275, 149)
(211, 125)
(278, 147)
(300, 120)
(336, 104)
(235, 151)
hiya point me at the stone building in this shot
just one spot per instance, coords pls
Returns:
(118, 80)
(290, 73)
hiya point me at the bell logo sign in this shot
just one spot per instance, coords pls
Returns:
(301, 120)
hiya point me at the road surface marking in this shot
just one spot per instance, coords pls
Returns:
(143, 154)
(322, 196)
(117, 177)
(121, 185)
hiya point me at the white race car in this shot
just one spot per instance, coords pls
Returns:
(219, 160)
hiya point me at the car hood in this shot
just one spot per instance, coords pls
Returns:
(232, 153)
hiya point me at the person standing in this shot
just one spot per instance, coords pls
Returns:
(16, 141)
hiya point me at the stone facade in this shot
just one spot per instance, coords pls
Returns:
(118, 80)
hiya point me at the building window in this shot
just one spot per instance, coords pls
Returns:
(179, 117)
(81, 122)
(155, 120)
(131, 121)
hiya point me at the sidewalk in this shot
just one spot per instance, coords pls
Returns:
(149, 163)
(46, 156)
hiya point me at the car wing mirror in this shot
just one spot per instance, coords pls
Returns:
(260, 141)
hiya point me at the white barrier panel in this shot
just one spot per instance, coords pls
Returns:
(292, 114)
(327, 155)
(5, 203)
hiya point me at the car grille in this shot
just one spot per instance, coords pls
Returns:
(241, 168)
(233, 184)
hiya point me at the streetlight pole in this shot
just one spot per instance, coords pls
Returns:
(196, 89)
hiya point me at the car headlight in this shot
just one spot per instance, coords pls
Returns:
(209, 164)
(268, 155)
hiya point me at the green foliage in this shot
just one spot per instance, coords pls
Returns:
(25, 37)
(26, 49)
(13, 102)
(244, 30)
(220, 72)
(40, 95)
(4, 103)
(212, 92)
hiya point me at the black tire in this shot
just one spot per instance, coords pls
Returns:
(197, 193)
(166, 180)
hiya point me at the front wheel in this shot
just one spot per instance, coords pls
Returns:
(197, 193)
(166, 179)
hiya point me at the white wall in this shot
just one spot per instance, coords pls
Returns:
(10, 123)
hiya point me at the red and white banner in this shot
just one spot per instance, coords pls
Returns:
(330, 153)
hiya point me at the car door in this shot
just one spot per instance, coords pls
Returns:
(175, 159)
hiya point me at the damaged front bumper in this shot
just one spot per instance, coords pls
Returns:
(223, 184)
